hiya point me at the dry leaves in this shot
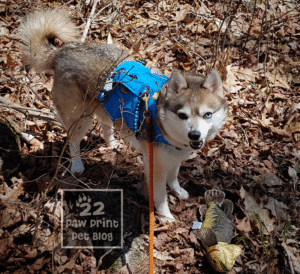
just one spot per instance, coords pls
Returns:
(255, 158)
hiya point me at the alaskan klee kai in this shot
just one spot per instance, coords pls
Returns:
(191, 109)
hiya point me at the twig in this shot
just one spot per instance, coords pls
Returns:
(102, 9)
(51, 184)
(31, 89)
(216, 45)
(229, 23)
(250, 26)
(121, 13)
(65, 4)
(88, 23)
(268, 44)
(186, 50)
(105, 18)
(29, 111)
(102, 257)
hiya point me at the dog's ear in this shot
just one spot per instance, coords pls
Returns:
(177, 82)
(213, 82)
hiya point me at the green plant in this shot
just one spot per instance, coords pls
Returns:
(285, 230)
(268, 246)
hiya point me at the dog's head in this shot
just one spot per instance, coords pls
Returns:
(191, 109)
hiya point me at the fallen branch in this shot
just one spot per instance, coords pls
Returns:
(88, 23)
(29, 111)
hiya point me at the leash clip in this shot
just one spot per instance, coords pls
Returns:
(146, 100)
(148, 118)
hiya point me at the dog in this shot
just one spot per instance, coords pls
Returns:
(190, 108)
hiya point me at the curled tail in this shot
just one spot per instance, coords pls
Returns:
(38, 32)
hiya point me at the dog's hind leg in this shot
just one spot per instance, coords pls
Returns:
(107, 126)
(76, 134)
(76, 116)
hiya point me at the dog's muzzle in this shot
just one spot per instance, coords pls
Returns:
(196, 144)
(194, 136)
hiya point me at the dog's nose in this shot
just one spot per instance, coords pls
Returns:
(194, 135)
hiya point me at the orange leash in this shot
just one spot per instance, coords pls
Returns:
(147, 114)
(151, 207)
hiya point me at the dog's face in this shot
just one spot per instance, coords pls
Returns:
(191, 109)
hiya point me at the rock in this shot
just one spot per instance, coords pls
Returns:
(9, 146)
(135, 256)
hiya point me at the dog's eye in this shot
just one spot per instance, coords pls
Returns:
(207, 115)
(182, 116)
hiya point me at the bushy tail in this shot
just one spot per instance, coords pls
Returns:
(38, 32)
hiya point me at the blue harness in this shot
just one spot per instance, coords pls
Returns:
(127, 101)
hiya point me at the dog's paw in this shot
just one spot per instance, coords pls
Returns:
(181, 192)
(174, 186)
(112, 144)
(77, 166)
(170, 218)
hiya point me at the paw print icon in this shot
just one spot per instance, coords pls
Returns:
(84, 202)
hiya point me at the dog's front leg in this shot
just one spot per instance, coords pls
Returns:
(108, 135)
(161, 169)
(172, 181)
(160, 193)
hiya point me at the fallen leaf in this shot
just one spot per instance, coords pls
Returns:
(6, 244)
(11, 194)
(229, 134)
(128, 269)
(243, 225)
(182, 13)
(293, 125)
(269, 180)
(163, 256)
(185, 253)
(252, 207)
(277, 80)
(280, 133)
(38, 264)
(292, 259)
(293, 174)
(278, 209)
(10, 216)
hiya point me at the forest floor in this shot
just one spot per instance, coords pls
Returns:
(255, 159)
